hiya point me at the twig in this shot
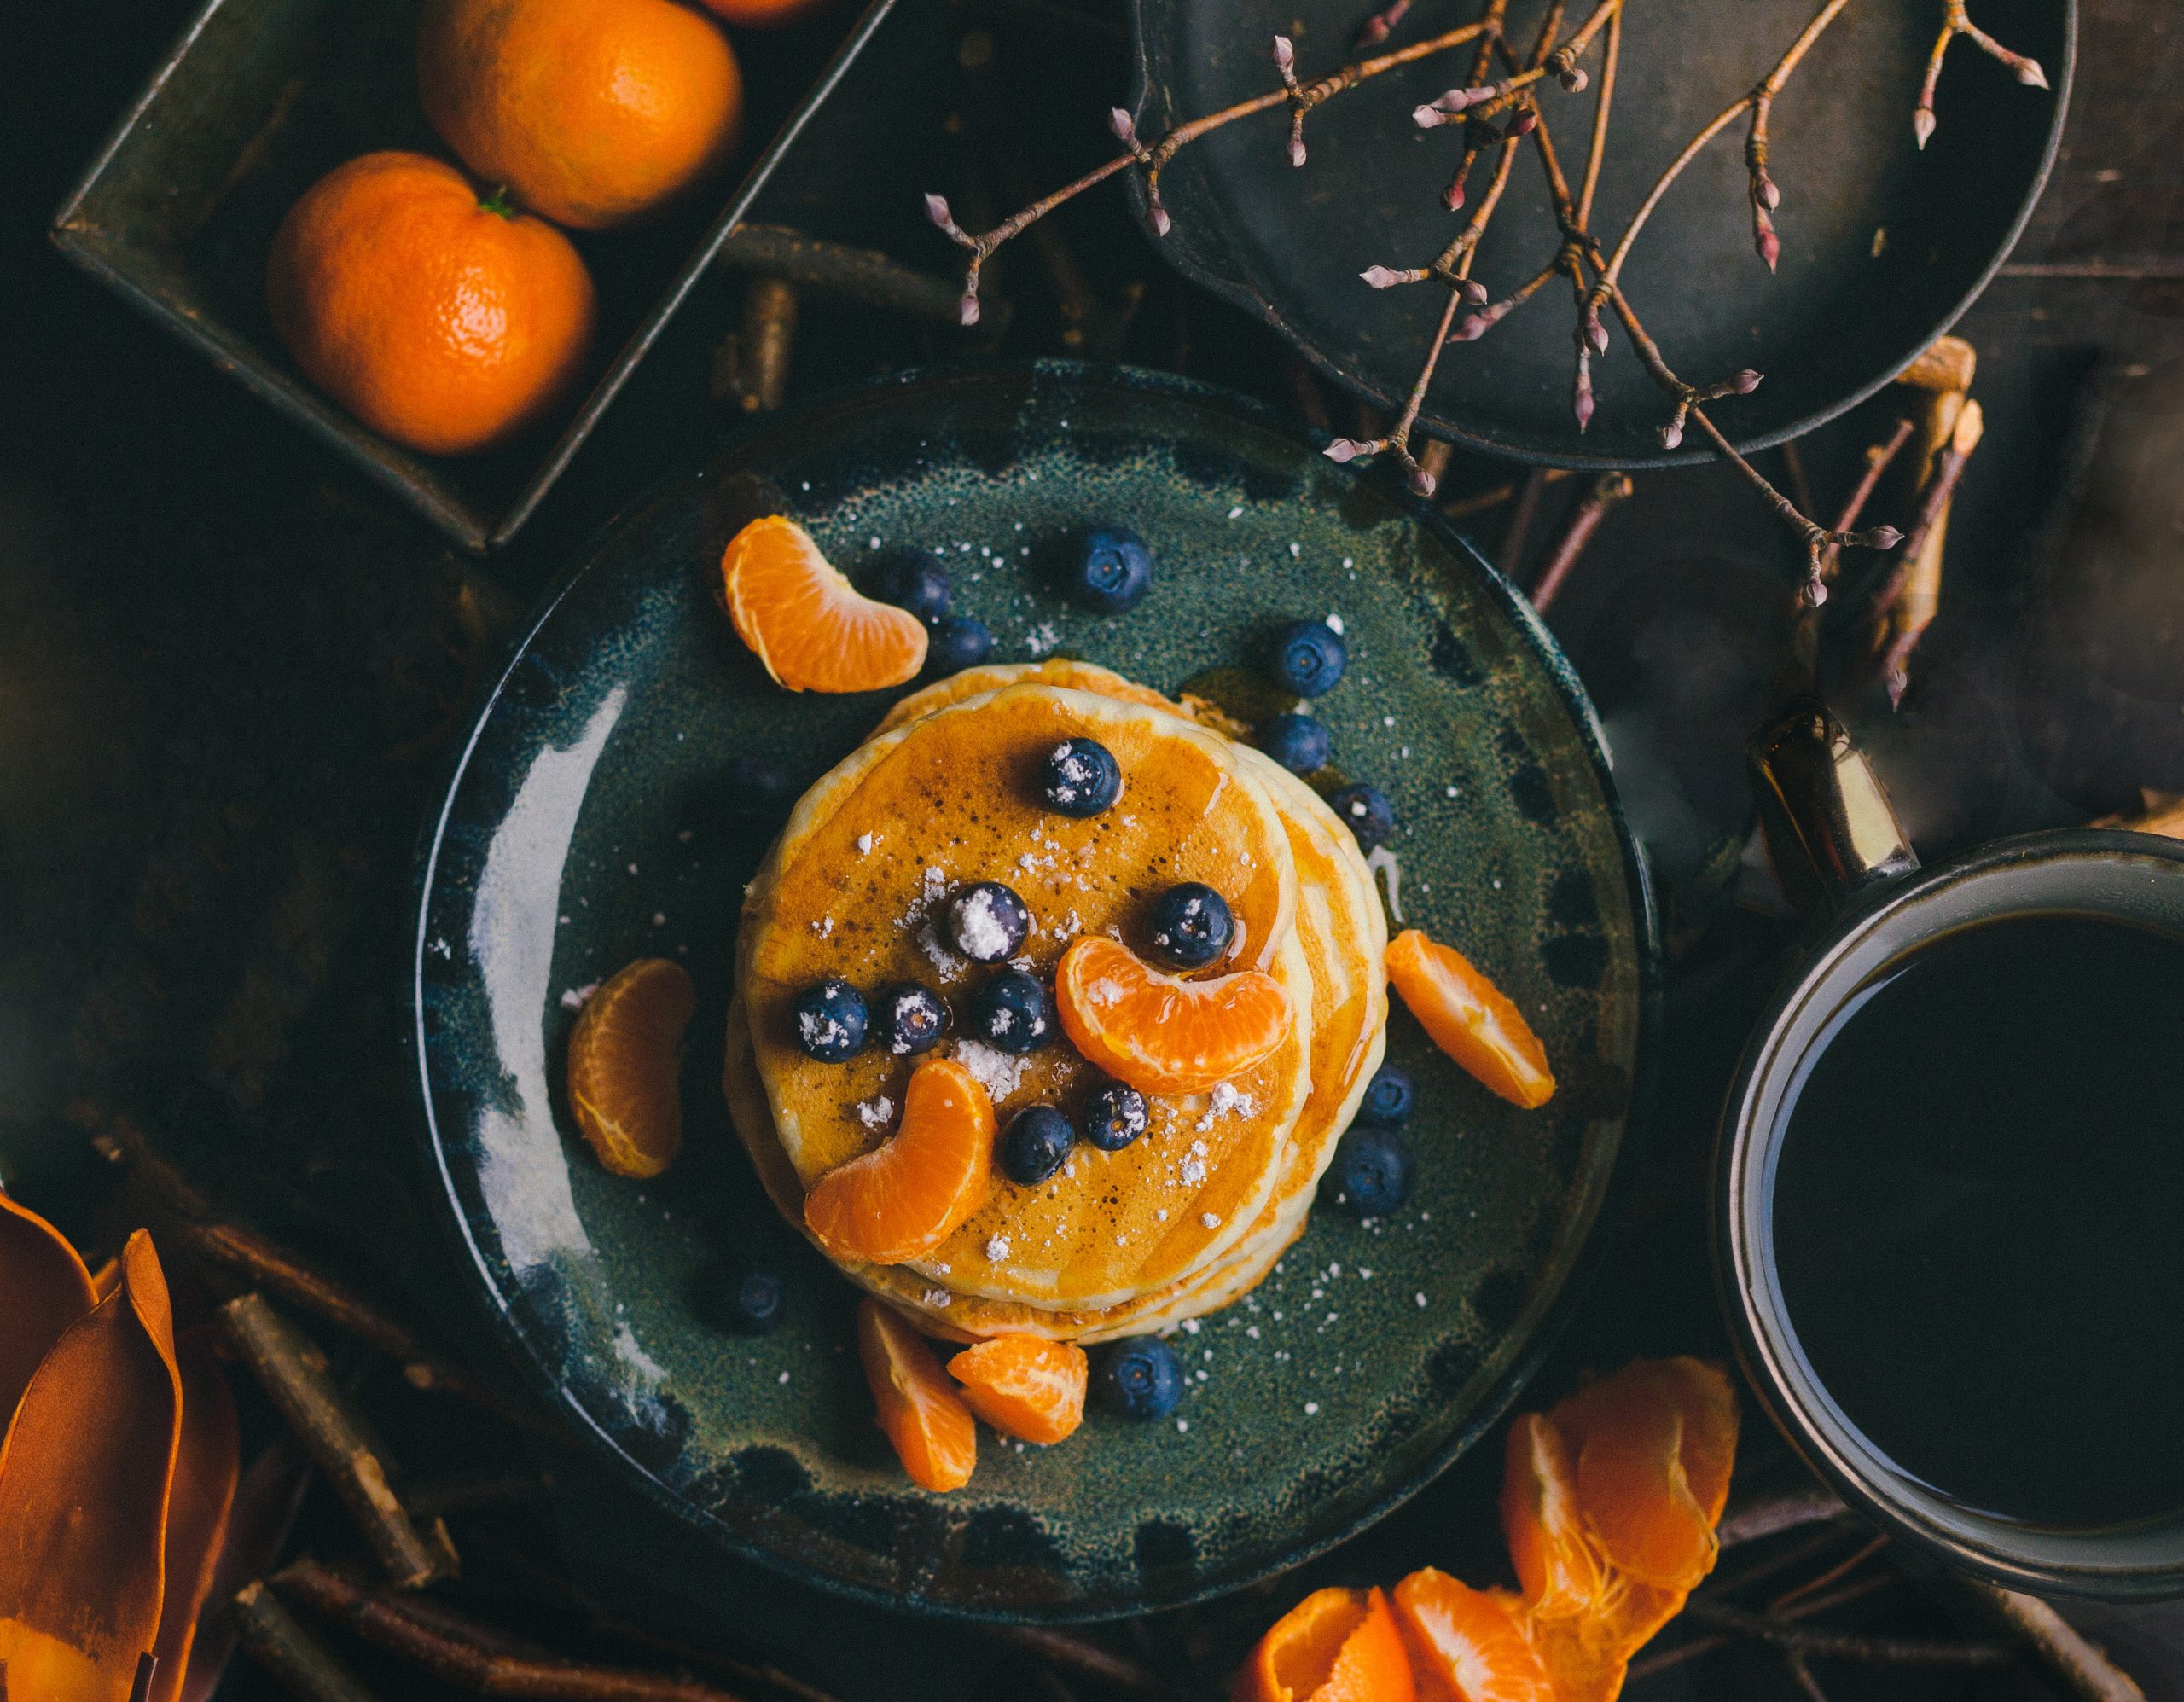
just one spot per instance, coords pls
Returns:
(270, 1636)
(1770, 1515)
(1801, 1673)
(2059, 1646)
(458, 1650)
(1956, 21)
(1509, 558)
(1481, 101)
(1879, 458)
(1809, 1639)
(769, 312)
(864, 276)
(1783, 1560)
(1608, 490)
(1893, 606)
(1082, 1654)
(1698, 1647)
(293, 1374)
(1833, 1575)
(1300, 98)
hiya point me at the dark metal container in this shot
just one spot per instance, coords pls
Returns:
(259, 98)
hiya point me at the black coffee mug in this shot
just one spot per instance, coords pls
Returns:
(1841, 855)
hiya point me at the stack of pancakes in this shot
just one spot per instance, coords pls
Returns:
(1192, 1214)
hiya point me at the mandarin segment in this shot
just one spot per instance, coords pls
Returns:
(624, 1057)
(1548, 1544)
(1024, 1386)
(1470, 1019)
(1334, 1646)
(1588, 1654)
(1159, 1032)
(1637, 1437)
(1468, 1645)
(812, 629)
(904, 1198)
(919, 1408)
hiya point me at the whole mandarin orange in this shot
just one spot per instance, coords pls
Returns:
(447, 321)
(767, 14)
(591, 112)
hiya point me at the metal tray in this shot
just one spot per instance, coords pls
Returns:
(258, 98)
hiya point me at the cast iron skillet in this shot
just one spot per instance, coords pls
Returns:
(1883, 245)
(603, 809)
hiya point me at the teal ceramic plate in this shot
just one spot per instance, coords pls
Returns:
(604, 809)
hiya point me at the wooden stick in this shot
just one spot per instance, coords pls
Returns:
(1769, 1515)
(864, 276)
(293, 1374)
(270, 1636)
(2058, 1645)
(1608, 490)
(1808, 1640)
(460, 1652)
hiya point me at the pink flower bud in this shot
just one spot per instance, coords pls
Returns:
(1470, 327)
(1379, 277)
(1373, 32)
(968, 307)
(1883, 537)
(1156, 217)
(1816, 592)
(1770, 195)
(1120, 122)
(1425, 117)
(936, 209)
(1747, 381)
(1769, 246)
(1341, 450)
(1524, 124)
(2030, 74)
(1595, 333)
(1456, 100)
(1582, 406)
(1453, 196)
(1672, 435)
(1574, 79)
(1922, 124)
(1296, 151)
(1473, 292)
(1285, 52)
(1421, 482)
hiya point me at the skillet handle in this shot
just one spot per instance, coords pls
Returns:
(1828, 824)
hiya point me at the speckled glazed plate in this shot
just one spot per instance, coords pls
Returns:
(596, 815)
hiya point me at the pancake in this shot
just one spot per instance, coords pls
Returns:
(939, 1312)
(846, 894)
(1056, 671)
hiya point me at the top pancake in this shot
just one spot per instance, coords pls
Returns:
(854, 888)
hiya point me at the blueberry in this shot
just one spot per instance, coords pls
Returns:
(1141, 1378)
(1191, 925)
(1297, 741)
(1372, 1172)
(1035, 1143)
(1115, 1118)
(957, 642)
(915, 582)
(1365, 812)
(1308, 657)
(987, 922)
(748, 1302)
(830, 1020)
(1114, 570)
(1012, 1011)
(912, 1019)
(1387, 1104)
(1080, 777)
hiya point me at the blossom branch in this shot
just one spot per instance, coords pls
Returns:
(1957, 21)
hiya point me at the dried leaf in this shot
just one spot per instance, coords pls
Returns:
(84, 1475)
(208, 1460)
(47, 1290)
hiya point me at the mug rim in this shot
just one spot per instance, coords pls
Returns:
(1988, 1546)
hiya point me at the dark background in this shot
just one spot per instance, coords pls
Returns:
(229, 667)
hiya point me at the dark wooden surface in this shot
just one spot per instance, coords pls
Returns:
(228, 668)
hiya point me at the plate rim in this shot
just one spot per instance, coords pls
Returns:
(476, 1279)
(1240, 294)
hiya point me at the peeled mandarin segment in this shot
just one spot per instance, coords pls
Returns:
(46, 1288)
(903, 1200)
(1162, 1034)
(1627, 1433)
(1024, 1387)
(919, 1408)
(1470, 1019)
(1468, 1645)
(1548, 1543)
(806, 622)
(1587, 1654)
(1708, 1402)
(84, 1476)
(625, 1059)
(1334, 1646)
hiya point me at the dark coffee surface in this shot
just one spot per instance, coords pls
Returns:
(1979, 1218)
